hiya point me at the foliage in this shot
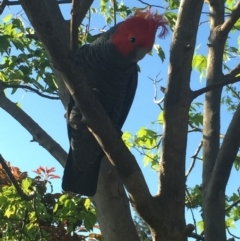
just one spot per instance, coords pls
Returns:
(48, 216)
(24, 60)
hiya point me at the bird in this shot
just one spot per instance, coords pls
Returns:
(110, 65)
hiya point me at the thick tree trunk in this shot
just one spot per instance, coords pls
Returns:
(213, 202)
(112, 205)
(177, 102)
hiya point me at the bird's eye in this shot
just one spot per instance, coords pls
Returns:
(132, 40)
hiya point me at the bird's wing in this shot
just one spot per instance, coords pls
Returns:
(132, 86)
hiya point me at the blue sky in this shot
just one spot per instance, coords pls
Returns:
(15, 145)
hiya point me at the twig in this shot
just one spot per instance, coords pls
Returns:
(206, 21)
(158, 102)
(18, 59)
(23, 224)
(229, 78)
(237, 237)
(232, 205)
(33, 128)
(196, 236)
(194, 157)
(194, 128)
(234, 91)
(32, 36)
(14, 181)
(151, 5)
(28, 88)
(114, 11)
(38, 219)
(194, 220)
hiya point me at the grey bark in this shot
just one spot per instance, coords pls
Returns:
(216, 165)
(39, 135)
(177, 101)
(111, 201)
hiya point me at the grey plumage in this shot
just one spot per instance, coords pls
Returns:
(113, 78)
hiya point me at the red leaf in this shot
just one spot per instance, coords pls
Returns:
(52, 169)
(51, 176)
(42, 169)
(37, 171)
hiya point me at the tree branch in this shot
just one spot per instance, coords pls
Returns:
(230, 21)
(232, 205)
(226, 80)
(151, 5)
(5, 86)
(39, 135)
(226, 156)
(5, 3)
(194, 157)
(110, 187)
(229, 78)
(79, 10)
(234, 236)
(21, 193)
(214, 207)
(176, 114)
(196, 236)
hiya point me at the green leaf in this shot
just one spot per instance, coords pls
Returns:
(63, 198)
(200, 225)
(159, 51)
(199, 63)
(55, 208)
(161, 118)
(237, 162)
(87, 203)
(68, 203)
(26, 183)
(4, 43)
(171, 19)
(103, 6)
(234, 197)
(7, 18)
(230, 223)
(173, 4)
(2, 200)
(93, 10)
(127, 138)
(10, 211)
(230, 4)
(90, 219)
(146, 138)
(18, 104)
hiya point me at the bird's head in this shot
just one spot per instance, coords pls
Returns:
(135, 36)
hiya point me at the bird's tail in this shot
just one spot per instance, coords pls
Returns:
(81, 182)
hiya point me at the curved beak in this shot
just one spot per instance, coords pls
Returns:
(140, 53)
